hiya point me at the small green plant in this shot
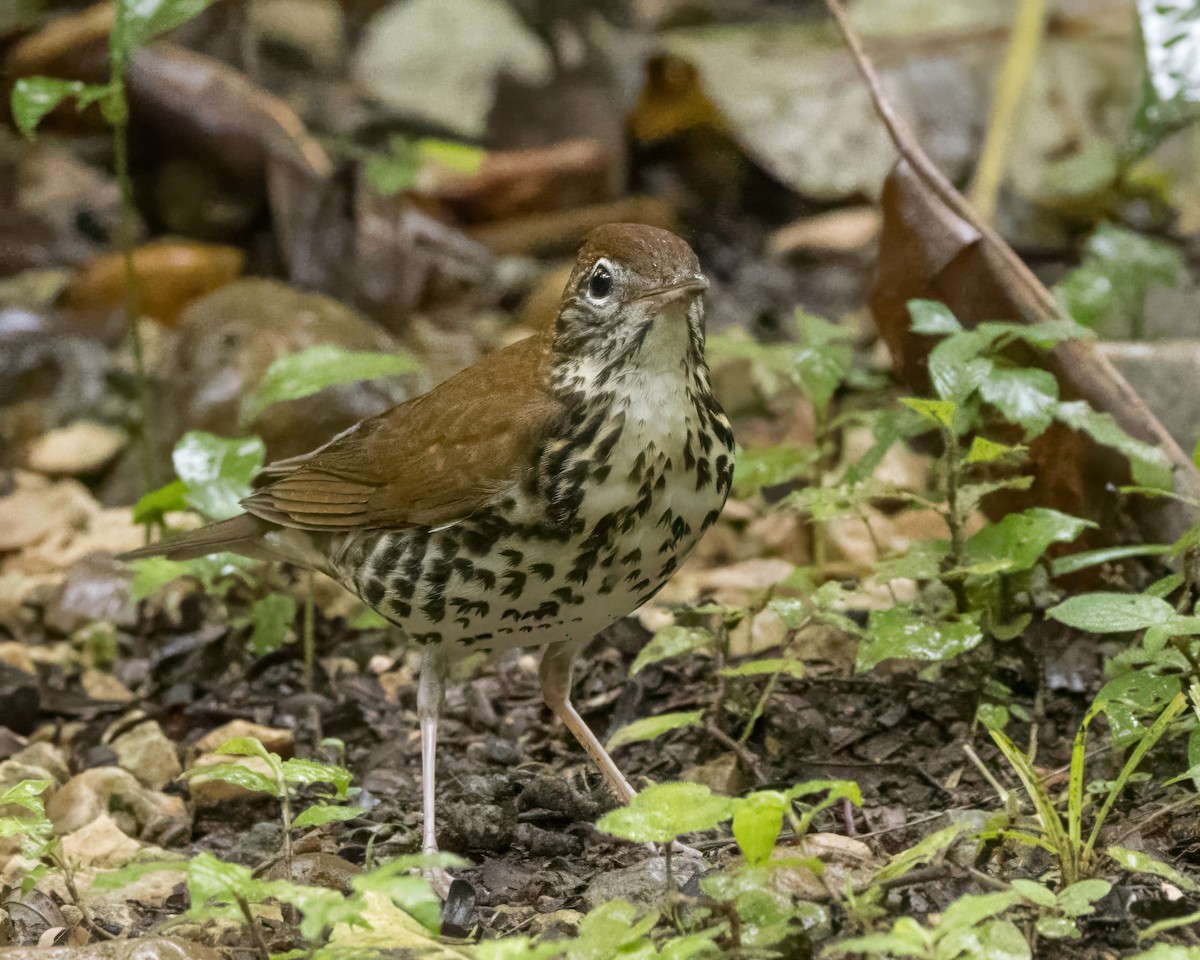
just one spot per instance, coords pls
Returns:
(32, 827)
(400, 166)
(136, 23)
(1076, 856)
(280, 781)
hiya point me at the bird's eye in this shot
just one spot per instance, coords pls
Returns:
(601, 283)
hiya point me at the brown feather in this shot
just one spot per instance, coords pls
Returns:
(432, 460)
(234, 534)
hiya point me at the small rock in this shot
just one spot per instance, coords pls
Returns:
(141, 813)
(282, 742)
(317, 870)
(477, 826)
(262, 841)
(100, 843)
(38, 507)
(45, 756)
(147, 753)
(81, 447)
(140, 948)
(21, 698)
(98, 587)
(642, 884)
(13, 654)
(100, 685)
(722, 774)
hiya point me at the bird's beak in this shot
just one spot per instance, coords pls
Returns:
(688, 286)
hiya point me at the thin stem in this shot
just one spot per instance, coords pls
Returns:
(133, 312)
(1019, 62)
(819, 537)
(248, 915)
(310, 642)
(955, 520)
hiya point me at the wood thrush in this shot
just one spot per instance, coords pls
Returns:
(532, 499)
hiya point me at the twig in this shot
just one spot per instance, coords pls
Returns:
(1022, 55)
(1092, 374)
(1001, 791)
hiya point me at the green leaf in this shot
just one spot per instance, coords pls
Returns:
(903, 633)
(34, 97)
(1057, 927)
(673, 641)
(299, 772)
(1000, 940)
(156, 504)
(1094, 558)
(663, 812)
(1135, 861)
(320, 814)
(1026, 396)
(302, 374)
(1021, 539)
(932, 318)
(140, 21)
(271, 617)
(217, 471)
(988, 451)
(956, 370)
(1108, 290)
(1128, 698)
(757, 821)
(151, 574)
(1077, 899)
(924, 851)
(823, 360)
(648, 728)
(1150, 466)
(236, 774)
(249, 747)
(610, 931)
(769, 665)
(458, 158)
(771, 466)
(1112, 612)
(1035, 892)
(1170, 31)
(971, 910)
(27, 794)
(938, 412)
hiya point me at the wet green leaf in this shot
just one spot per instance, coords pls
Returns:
(296, 375)
(321, 813)
(672, 641)
(1077, 900)
(905, 634)
(1021, 539)
(1170, 32)
(237, 774)
(1136, 861)
(217, 471)
(140, 21)
(932, 318)
(1057, 927)
(1108, 290)
(34, 97)
(1112, 612)
(1027, 397)
(664, 812)
(300, 772)
(648, 728)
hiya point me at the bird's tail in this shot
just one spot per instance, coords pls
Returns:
(240, 534)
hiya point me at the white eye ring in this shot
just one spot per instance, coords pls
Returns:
(600, 282)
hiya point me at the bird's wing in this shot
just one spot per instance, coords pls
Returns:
(430, 461)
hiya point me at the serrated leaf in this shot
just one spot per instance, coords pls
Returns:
(34, 97)
(1112, 612)
(320, 814)
(271, 618)
(1025, 396)
(984, 450)
(1150, 466)
(672, 641)
(938, 412)
(648, 728)
(1020, 540)
(663, 812)
(905, 634)
(302, 374)
(217, 471)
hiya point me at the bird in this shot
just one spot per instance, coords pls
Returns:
(532, 499)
